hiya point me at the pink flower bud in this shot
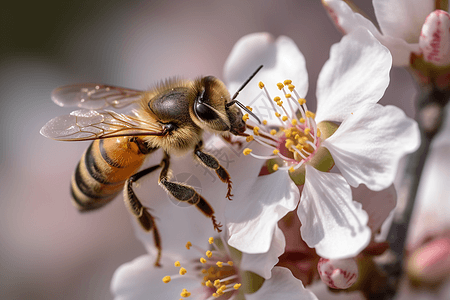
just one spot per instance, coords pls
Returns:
(338, 273)
(434, 41)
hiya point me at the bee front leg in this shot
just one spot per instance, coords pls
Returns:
(211, 162)
(135, 206)
(185, 193)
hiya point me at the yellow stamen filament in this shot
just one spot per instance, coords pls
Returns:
(188, 245)
(280, 86)
(249, 138)
(261, 84)
(183, 271)
(166, 279)
(209, 254)
(287, 82)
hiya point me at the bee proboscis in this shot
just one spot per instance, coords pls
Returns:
(172, 116)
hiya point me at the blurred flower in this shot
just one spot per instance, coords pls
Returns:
(338, 273)
(416, 32)
(365, 147)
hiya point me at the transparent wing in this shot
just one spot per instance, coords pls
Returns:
(95, 96)
(86, 124)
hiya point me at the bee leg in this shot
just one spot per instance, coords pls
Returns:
(212, 163)
(146, 220)
(185, 193)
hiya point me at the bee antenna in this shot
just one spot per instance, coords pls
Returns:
(233, 100)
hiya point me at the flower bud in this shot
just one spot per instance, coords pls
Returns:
(338, 273)
(434, 41)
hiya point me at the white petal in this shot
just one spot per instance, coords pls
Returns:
(434, 40)
(263, 263)
(331, 222)
(348, 21)
(370, 142)
(281, 59)
(251, 218)
(356, 73)
(402, 18)
(282, 285)
(139, 279)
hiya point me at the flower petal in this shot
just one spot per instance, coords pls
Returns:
(370, 142)
(251, 218)
(331, 222)
(357, 72)
(281, 59)
(434, 40)
(402, 18)
(263, 263)
(348, 21)
(139, 279)
(282, 285)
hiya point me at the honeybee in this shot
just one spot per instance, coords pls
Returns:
(172, 116)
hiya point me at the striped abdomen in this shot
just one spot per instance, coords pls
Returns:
(102, 171)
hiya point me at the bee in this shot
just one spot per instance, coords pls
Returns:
(172, 117)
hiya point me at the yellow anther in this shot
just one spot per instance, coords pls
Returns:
(219, 292)
(202, 260)
(166, 279)
(204, 271)
(299, 147)
(256, 130)
(310, 114)
(211, 240)
(185, 293)
(280, 103)
(303, 140)
(296, 137)
(276, 151)
(302, 120)
(294, 122)
(217, 282)
(261, 84)
(264, 122)
(277, 114)
(245, 117)
(188, 245)
(209, 284)
(307, 131)
(284, 118)
(223, 287)
(287, 82)
(249, 138)
(273, 132)
(291, 87)
(318, 132)
(276, 99)
(249, 108)
(237, 286)
(219, 264)
(288, 95)
(209, 253)
(291, 169)
(301, 101)
(230, 263)
(215, 295)
(275, 167)
(289, 143)
(280, 86)
(182, 271)
(177, 264)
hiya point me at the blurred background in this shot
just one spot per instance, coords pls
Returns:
(47, 249)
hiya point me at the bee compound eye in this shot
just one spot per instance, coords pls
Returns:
(205, 112)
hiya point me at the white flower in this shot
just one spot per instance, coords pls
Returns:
(365, 147)
(407, 26)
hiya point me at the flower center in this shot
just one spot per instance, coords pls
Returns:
(216, 271)
(297, 137)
